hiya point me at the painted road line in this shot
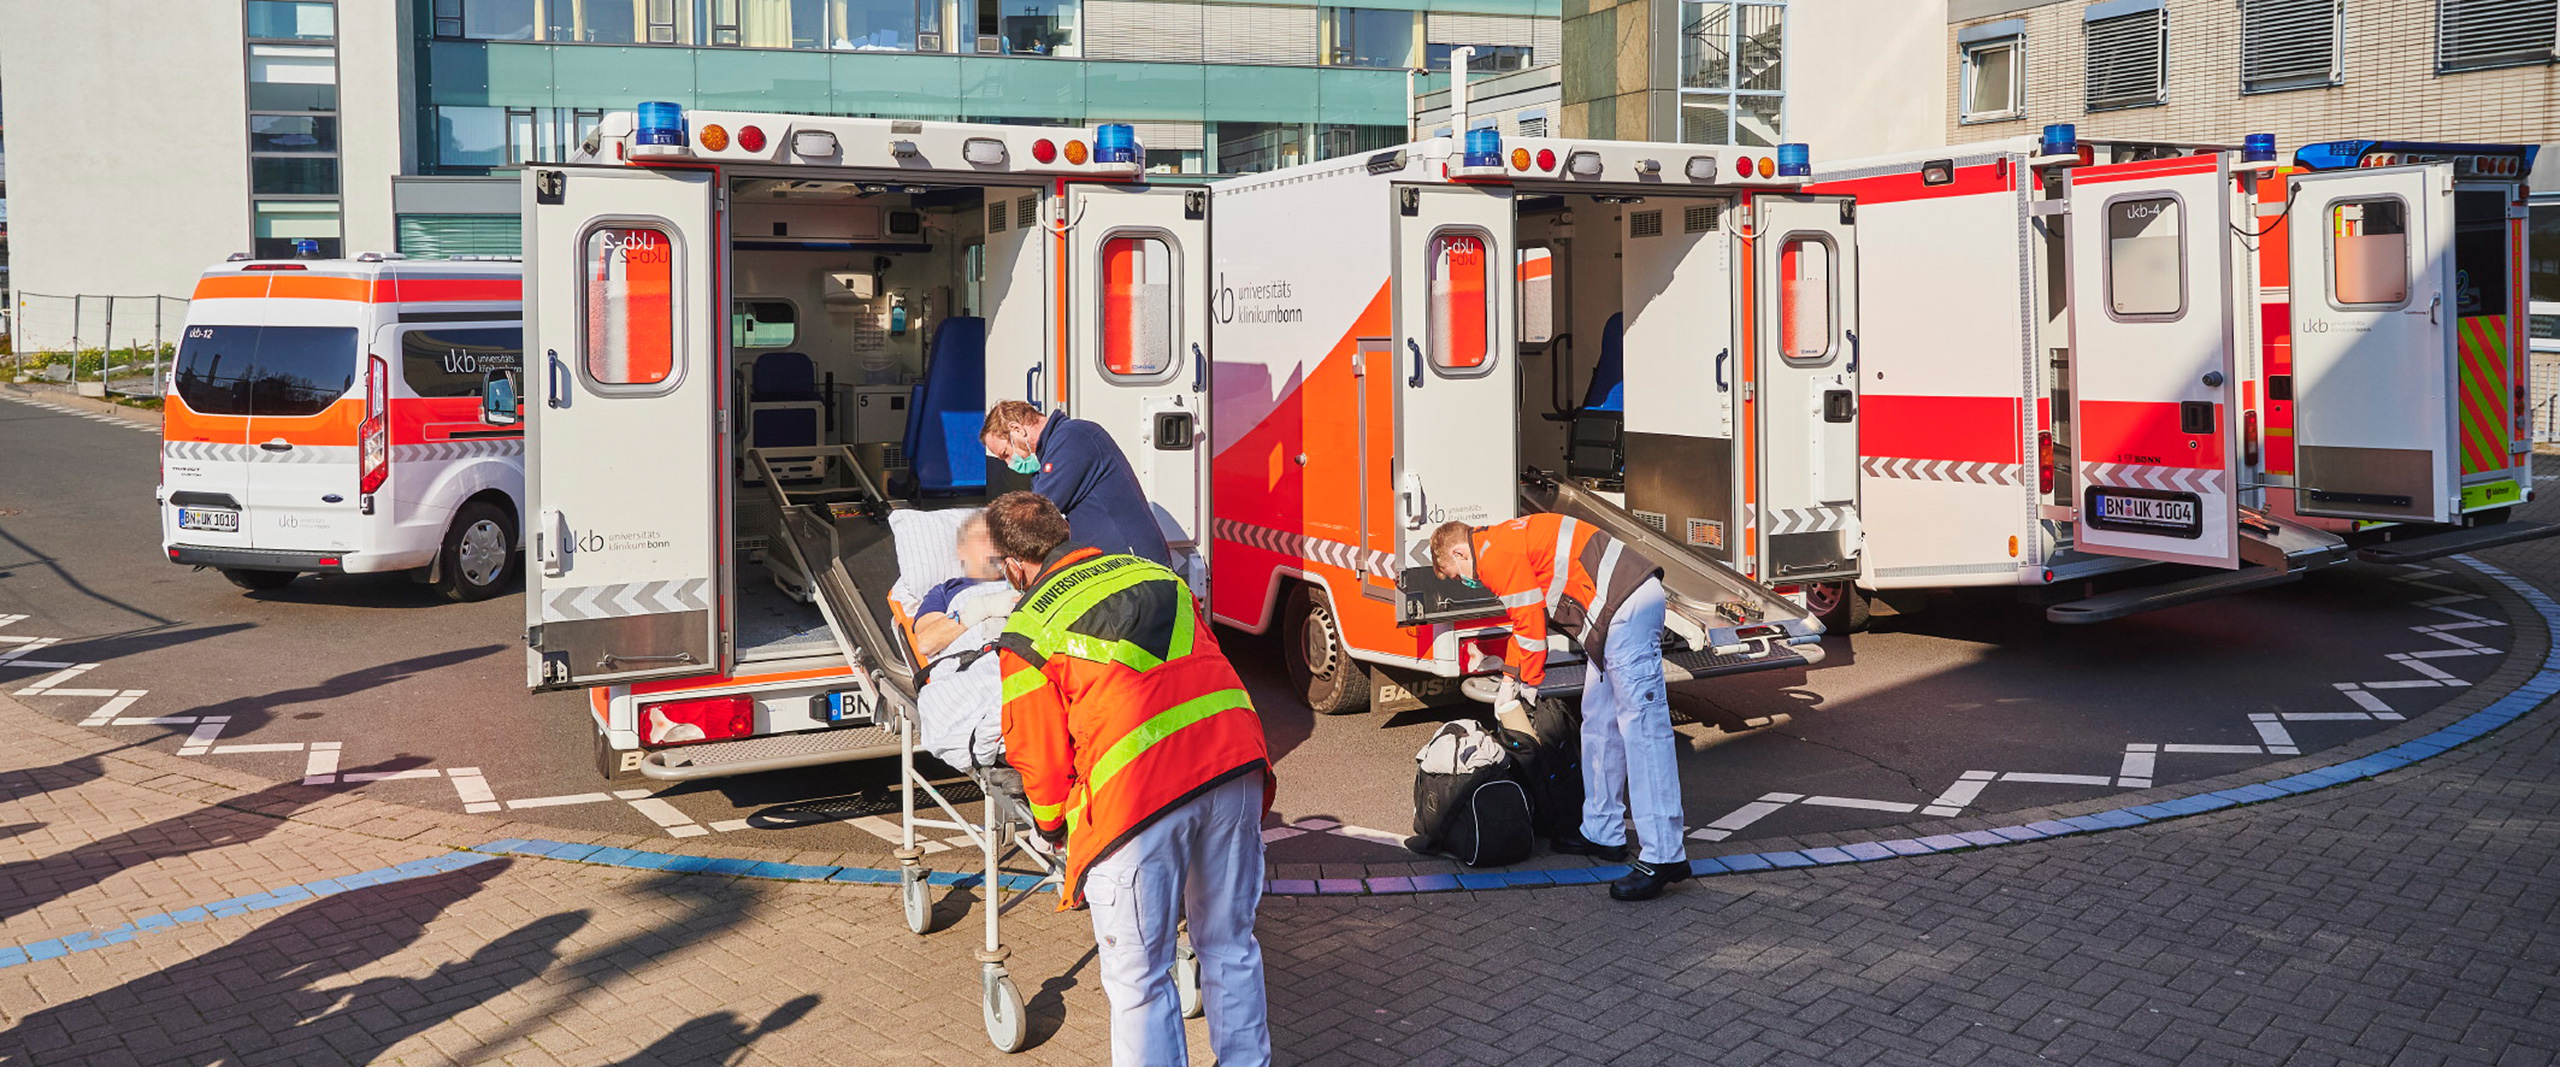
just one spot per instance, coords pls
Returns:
(201, 740)
(2365, 700)
(1967, 787)
(1742, 817)
(322, 766)
(391, 776)
(1862, 804)
(561, 801)
(40, 685)
(155, 720)
(727, 826)
(16, 657)
(115, 706)
(882, 827)
(675, 823)
(276, 746)
(7, 619)
(2337, 716)
(2273, 734)
(470, 785)
(2140, 763)
(2057, 779)
(2413, 662)
(2216, 750)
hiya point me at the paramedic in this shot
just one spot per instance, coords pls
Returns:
(1079, 467)
(937, 625)
(1552, 568)
(1138, 748)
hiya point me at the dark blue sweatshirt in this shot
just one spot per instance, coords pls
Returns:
(1083, 471)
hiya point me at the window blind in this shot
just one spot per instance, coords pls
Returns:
(2128, 60)
(2475, 34)
(2289, 44)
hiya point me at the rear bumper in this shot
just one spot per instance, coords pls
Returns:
(247, 559)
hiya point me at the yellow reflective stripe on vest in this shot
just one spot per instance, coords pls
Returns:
(1136, 742)
(1023, 681)
(1047, 813)
(1054, 637)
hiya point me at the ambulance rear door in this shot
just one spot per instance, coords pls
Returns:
(2375, 387)
(1805, 387)
(1457, 407)
(624, 454)
(1138, 333)
(2152, 368)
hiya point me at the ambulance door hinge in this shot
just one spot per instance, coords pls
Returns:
(719, 198)
(723, 421)
(2042, 208)
(1749, 390)
(1848, 213)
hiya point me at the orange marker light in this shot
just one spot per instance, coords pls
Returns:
(1768, 167)
(713, 138)
(1519, 159)
(2013, 546)
(1075, 152)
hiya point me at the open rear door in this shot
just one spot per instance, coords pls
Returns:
(1805, 392)
(2374, 383)
(2152, 361)
(623, 463)
(1457, 402)
(1138, 332)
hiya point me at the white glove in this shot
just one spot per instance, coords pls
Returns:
(982, 608)
(1511, 690)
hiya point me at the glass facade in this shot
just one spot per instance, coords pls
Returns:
(1732, 81)
(293, 126)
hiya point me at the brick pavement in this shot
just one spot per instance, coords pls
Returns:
(2411, 918)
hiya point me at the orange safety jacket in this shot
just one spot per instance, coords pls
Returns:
(1555, 567)
(1118, 706)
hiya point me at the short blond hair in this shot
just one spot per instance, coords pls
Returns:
(1007, 414)
(1447, 540)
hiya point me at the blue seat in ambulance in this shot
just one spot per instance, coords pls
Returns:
(944, 456)
(786, 410)
(1596, 443)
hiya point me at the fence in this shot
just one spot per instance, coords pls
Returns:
(106, 344)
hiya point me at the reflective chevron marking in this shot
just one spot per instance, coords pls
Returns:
(465, 449)
(1347, 557)
(1940, 470)
(1807, 520)
(619, 601)
(214, 452)
(2147, 476)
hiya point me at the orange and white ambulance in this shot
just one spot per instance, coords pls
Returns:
(348, 416)
(1377, 318)
(2087, 358)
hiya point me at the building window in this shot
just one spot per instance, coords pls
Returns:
(444, 236)
(2128, 52)
(293, 127)
(292, 20)
(2542, 269)
(296, 134)
(2290, 44)
(486, 20)
(1371, 37)
(292, 78)
(279, 225)
(293, 176)
(1994, 72)
(1028, 27)
(2480, 34)
(1731, 76)
(1489, 58)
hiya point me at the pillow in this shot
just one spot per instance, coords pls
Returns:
(928, 550)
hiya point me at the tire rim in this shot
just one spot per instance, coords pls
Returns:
(483, 552)
(1318, 638)
(1823, 599)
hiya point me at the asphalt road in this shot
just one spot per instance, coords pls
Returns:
(1976, 704)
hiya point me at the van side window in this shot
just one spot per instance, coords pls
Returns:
(630, 276)
(445, 363)
(1137, 306)
(1805, 298)
(1461, 306)
(2369, 252)
(1537, 285)
(763, 324)
(2146, 258)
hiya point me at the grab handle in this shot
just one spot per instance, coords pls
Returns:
(1723, 386)
(1416, 347)
(1853, 350)
(555, 381)
(1030, 392)
(1199, 369)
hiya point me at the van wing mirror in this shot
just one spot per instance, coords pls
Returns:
(498, 405)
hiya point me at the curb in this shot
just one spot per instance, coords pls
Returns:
(92, 404)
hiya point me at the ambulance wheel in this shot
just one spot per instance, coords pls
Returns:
(1841, 606)
(1008, 1025)
(479, 553)
(912, 898)
(1186, 980)
(259, 581)
(1320, 664)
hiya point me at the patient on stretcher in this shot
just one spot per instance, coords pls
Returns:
(955, 620)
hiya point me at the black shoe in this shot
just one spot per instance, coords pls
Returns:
(1578, 845)
(1645, 881)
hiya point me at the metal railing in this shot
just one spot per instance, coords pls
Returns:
(95, 343)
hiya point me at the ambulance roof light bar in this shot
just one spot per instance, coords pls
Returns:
(2511, 162)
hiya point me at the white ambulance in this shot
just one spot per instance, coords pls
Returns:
(1691, 313)
(2083, 359)
(348, 416)
(722, 306)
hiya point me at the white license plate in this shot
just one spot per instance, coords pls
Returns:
(2148, 511)
(223, 520)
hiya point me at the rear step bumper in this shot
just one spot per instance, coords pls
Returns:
(253, 560)
(2425, 547)
(777, 752)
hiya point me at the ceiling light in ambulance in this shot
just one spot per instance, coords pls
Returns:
(1795, 160)
(1702, 168)
(984, 151)
(1115, 142)
(1075, 152)
(751, 138)
(1484, 148)
(814, 143)
(714, 137)
(2060, 139)
(1583, 164)
(1044, 151)
(660, 123)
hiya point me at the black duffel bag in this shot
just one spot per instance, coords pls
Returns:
(1468, 800)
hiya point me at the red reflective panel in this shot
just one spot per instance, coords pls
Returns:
(1460, 315)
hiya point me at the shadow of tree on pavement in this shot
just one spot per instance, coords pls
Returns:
(715, 1040)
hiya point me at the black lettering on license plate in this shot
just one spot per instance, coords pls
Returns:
(2146, 511)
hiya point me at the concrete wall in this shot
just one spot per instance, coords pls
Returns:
(128, 168)
(1621, 61)
(377, 97)
(1866, 77)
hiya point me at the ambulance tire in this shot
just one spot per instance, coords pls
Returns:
(259, 581)
(1842, 606)
(479, 553)
(1319, 662)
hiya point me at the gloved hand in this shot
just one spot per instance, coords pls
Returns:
(982, 608)
(1512, 690)
(1057, 838)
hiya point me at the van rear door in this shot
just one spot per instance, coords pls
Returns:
(304, 406)
(625, 463)
(1457, 406)
(1138, 319)
(204, 449)
(1805, 392)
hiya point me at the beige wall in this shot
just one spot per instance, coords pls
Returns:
(1865, 77)
(1618, 69)
(377, 94)
(2390, 89)
(128, 162)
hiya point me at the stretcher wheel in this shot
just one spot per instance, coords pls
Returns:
(1008, 1025)
(913, 900)
(1186, 979)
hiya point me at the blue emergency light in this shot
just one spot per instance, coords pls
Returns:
(661, 123)
(1484, 147)
(2258, 148)
(306, 248)
(2061, 139)
(1115, 142)
(1795, 160)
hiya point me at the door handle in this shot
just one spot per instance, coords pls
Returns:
(1416, 348)
(555, 384)
(1723, 386)
(1851, 334)
(1030, 392)
(277, 445)
(1199, 370)
(548, 539)
(2435, 309)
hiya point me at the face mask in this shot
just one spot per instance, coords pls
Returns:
(1471, 583)
(1024, 464)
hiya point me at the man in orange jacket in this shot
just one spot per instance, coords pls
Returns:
(1138, 747)
(1555, 568)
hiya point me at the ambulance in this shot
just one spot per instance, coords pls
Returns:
(348, 416)
(1380, 319)
(2088, 359)
(755, 336)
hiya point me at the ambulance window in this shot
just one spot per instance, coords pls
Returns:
(447, 363)
(1537, 282)
(213, 368)
(763, 324)
(1805, 299)
(302, 369)
(2369, 252)
(2146, 263)
(630, 274)
(1137, 306)
(1461, 306)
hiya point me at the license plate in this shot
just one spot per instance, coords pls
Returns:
(223, 520)
(2172, 514)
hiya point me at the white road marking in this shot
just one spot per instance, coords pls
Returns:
(2273, 734)
(2139, 763)
(274, 746)
(2215, 750)
(473, 789)
(108, 711)
(322, 766)
(675, 823)
(391, 776)
(40, 685)
(1861, 804)
(559, 801)
(2057, 779)
(201, 741)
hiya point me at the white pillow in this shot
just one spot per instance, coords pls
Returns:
(928, 550)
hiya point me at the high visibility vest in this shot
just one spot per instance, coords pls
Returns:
(1118, 705)
(1555, 568)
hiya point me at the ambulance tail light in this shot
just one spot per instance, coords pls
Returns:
(374, 437)
(659, 123)
(2249, 438)
(751, 138)
(2044, 462)
(1484, 148)
(1044, 150)
(684, 722)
